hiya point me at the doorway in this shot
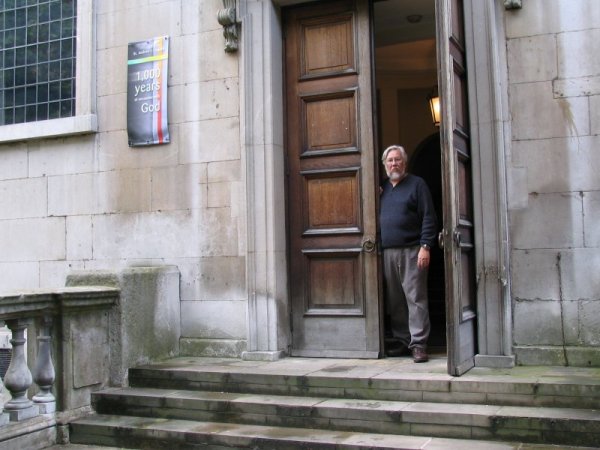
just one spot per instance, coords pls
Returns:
(332, 153)
(405, 79)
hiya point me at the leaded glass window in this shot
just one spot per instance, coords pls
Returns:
(37, 57)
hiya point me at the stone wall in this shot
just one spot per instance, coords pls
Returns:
(554, 187)
(91, 202)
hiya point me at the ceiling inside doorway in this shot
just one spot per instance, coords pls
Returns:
(405, 35)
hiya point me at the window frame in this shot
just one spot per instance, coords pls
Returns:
(85, 120)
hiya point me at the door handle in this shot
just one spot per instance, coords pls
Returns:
(441, 239)
(457, 238)
(369, 245)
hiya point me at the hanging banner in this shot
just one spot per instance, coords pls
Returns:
(147, 75)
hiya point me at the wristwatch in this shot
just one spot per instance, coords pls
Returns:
(425, 246)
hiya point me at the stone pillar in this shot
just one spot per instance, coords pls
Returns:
(18, 378)
(43, 373)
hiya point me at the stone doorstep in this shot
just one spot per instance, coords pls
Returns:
(414, 387)
(136, 431)
(435, 419)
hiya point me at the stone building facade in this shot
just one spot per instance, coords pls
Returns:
(212, 202)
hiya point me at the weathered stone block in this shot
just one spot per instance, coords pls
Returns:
(224, 171)
(218, 98)
(112, 112)
(532, 58)
(84, 358)
(19, 275)
(210, 140)
(539, 356)
(517, 191)
(591, 210)
(53, 273)
(216, 64)
(24, 198)
(552, 16)
(185, 101)
(79, 237)
(537, 323)
(104, 192)
(218, 195)
(219, 233)
(145, 326)
(590, 324)
(562, 117)
(578, 284)
(218, 348)
(118, 235)
(535, 275)
(214, 278)
(61, 156)
(114, 153)
(571, 322)
(550, 221)
(559, 165)
(89, 333)
(134, 23)
(111, 6)
(577, 87)
(204, 319)
(13, 161)
(179, 187)
(39, 239)
(595, 114)
(110, 60)
(584, 357)
(574, 50)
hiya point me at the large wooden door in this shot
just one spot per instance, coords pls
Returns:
(458, 234)
(331, 190)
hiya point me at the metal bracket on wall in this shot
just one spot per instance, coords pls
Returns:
(227, 18)
(513, 4)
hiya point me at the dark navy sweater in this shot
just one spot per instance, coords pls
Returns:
(407, 216)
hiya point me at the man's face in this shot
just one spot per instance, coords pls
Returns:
(394, 165)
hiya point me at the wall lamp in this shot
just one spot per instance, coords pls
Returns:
(434, 106)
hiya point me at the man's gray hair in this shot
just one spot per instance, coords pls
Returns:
(394, 147)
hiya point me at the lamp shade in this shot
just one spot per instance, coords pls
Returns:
(434, 105)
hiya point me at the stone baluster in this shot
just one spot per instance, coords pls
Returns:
(18, 376)
(43, 372)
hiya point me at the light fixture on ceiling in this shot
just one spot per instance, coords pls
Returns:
(434, 106)
(414, 18)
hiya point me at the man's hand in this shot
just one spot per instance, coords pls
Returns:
(423, 258)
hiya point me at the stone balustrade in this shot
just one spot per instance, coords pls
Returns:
(58, 326)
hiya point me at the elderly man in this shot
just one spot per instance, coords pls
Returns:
(408, 229)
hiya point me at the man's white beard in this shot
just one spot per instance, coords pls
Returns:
(396, 176)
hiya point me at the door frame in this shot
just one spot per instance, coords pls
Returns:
(263, 165)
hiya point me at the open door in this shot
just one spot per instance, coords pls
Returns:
(331, 186)
(457, 236)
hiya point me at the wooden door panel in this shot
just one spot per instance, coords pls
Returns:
(330, 182)
(327, 46)
(458, 207)
(331, 201)
(329, 121)
(334, 283)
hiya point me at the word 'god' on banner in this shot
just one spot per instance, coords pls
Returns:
(147, 75)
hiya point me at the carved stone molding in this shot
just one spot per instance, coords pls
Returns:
(513, 4)
(227, 18)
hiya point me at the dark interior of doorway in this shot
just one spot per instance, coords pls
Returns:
(405, 74)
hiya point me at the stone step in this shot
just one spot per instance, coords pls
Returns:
(466, 421)
(177, 434)
(379, 380)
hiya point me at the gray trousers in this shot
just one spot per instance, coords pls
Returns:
(406, 296)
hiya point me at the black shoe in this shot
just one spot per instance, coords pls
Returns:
(419, 355)
(396, 350)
